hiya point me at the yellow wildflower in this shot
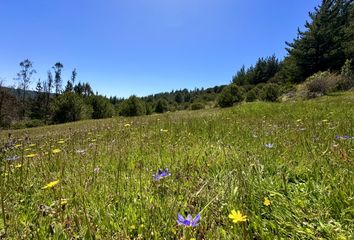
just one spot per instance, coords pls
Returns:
(31, 155)
(18, 166)
(61, 141)
(57, 150)
(51, 184)
(63, 201)
(163, 130)
(266, 202)
(237, 216)
(127, 125)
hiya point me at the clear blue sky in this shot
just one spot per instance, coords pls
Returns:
(124, 47)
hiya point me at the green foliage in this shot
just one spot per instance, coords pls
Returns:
(347, 73)
(101, 107)
(133, 106)
(197, 106)
(70, 107)
(161, 106)
(30, 123)
(262, 72)
(270, 92)
(252, 95)
(230, 95)
(322, 83)
(325, 42)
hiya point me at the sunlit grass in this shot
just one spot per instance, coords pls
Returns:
(281, 165)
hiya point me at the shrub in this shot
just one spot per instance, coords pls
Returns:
(347, 79)
(231, 94)
(28, 124)
(197, 106)
(161, 106)
(251, 95)
(271, 92)
(321, 83)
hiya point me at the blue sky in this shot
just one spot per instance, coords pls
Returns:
(141, 47)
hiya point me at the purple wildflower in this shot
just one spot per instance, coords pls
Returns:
(188, 222)
(161, 174)
(344, 137)
(14, 158)
(269, 145)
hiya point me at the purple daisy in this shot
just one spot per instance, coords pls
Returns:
(161, 174)
(188, 221)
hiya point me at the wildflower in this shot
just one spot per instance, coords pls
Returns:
(13, 158)
(80, 151)
(266, 202)
(237, 216)
(97, 170)
(18, 166)
(127, 125)
(63, 201)
(269, 145)
(57, 150)
(51, 184)
(61, 141)
(344, 137)
(31, 155)
(188, 222)
(163, 130)
(161, 174)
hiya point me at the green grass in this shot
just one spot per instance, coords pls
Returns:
(218, 161)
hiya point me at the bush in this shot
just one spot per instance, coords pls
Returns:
(133, 106)
(161, 106)
(230, 94)
(197, 106)
(251, 95)
(270, 92)
(101, 107)
(347, 79)
(28, 124)
(321, 83)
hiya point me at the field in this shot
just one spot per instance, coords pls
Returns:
(287, 167)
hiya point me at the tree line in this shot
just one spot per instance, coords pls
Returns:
(320, 58)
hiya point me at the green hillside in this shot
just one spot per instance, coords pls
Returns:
(287, 167)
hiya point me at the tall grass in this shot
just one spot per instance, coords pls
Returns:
(218, 160)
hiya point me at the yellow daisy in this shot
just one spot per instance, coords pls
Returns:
(237, 216)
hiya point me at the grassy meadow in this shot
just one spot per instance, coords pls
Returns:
(287, 167)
